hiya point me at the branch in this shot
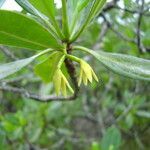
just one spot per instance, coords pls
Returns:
(120, 35)
(48, 98)
(72, 72)
(23, 92)
(140, 46)
(113, 5)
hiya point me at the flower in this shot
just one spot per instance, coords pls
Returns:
(60, 83)
(86, 73)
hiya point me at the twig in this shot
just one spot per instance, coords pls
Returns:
(40, 98)
(125, 112)
(49, 98)
(139, 42)
(120, 35)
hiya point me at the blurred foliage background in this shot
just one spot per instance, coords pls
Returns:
(111, 115)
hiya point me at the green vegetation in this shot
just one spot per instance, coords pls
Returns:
(46, 50)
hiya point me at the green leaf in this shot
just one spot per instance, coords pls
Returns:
(2, 137)
(78, 12)
(46, 7)
(13, 67)
(10, 68)
(29, 8)
(125, 65)
(21, 31)
(111, 139)
(47, 68)
(144, 114)
(95, 146)
(83, 4)
(37, 15)
(1, 3)
(88, 15)
(65, 25)
(96, 9)
(129, 120)
(43, 9)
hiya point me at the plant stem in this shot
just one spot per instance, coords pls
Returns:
(81, 48)
(72, 71)
(76, 59)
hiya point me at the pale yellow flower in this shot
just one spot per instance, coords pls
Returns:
(60, 83)
(86, 73)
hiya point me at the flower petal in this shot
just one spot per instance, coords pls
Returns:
(85, 80)
(57, 81)
(87, 70)
(80, 77)
(67, 83)
(63, 88)
(95, 76)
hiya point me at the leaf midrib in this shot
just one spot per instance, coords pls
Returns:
(23, 39)
(120, 66)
